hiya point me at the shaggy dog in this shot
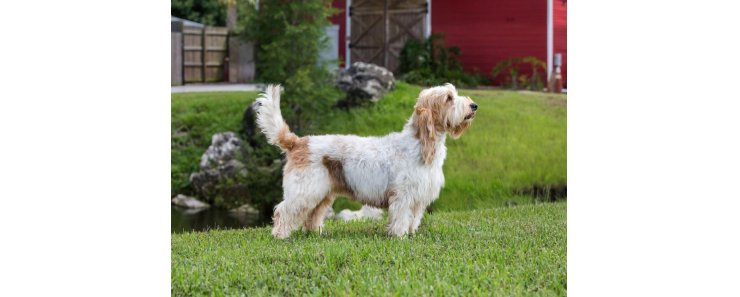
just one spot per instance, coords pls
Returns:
(401, 171)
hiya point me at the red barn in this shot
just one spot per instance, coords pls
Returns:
(486, 32)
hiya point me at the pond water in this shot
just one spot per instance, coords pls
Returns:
(188, 220)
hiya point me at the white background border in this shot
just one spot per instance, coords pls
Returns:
(652, 148)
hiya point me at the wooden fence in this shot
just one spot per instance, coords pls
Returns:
(176, 56)
(201, 54)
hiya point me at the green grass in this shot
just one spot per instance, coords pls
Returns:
(517, 139)
(502, 252)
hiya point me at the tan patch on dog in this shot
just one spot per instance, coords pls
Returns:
(297, 148)
(315, 217)
(390, 196)
(336, 174)
(286, 139)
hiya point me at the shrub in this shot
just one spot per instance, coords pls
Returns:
(511, 68)
(429, 62)
(208, 12)
(289, 36)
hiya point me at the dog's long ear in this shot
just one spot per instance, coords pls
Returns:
(425, 132)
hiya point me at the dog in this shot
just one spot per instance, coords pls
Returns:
(401, 171)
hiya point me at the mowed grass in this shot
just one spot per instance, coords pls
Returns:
(518, 139)
(512, 251)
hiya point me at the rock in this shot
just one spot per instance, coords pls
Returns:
(189, 202)
(223, 148)
(371, 212)
(245, 214)
(222, 175)
(365, 82)
(244, 209)
(347, 215)
(366, 212)
(329, 213)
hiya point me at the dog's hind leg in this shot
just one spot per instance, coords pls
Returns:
(302, 193)
(281, 219)
(290, 214)
(315, 219)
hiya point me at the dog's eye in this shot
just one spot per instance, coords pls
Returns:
(449, 98)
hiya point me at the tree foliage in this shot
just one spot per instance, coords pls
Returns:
(208, 12)
(289, 36)
(429, 62)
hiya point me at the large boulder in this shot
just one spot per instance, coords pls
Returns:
(222, 175)
(364, 82)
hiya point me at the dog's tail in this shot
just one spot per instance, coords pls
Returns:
(271, 121)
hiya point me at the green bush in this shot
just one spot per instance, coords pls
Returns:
(511, 67)
(289, 36)
(429, 62)
(208, 12)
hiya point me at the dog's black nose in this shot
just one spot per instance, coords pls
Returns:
(474, 106)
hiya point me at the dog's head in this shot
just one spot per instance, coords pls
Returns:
(440, 109)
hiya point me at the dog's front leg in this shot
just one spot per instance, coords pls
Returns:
(418, 212)
(400, 215)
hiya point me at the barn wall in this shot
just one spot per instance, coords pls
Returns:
(560, 30)
(490, 31)
(340, 19)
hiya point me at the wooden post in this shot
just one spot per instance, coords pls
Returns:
(204, 51)
(176, 74)
(231, 18)
(241, 54)
(556, 80)
(385, 35)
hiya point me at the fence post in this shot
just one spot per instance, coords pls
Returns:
(204, 53)
(241, 60)
(176, 74)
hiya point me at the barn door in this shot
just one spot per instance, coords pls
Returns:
(379, 29)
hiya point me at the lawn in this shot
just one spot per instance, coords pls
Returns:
(517, 140)
(518, 250)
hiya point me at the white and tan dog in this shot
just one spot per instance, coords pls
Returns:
(401, 171)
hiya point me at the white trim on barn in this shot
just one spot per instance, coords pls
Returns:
(428, 27)
(549, 39)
